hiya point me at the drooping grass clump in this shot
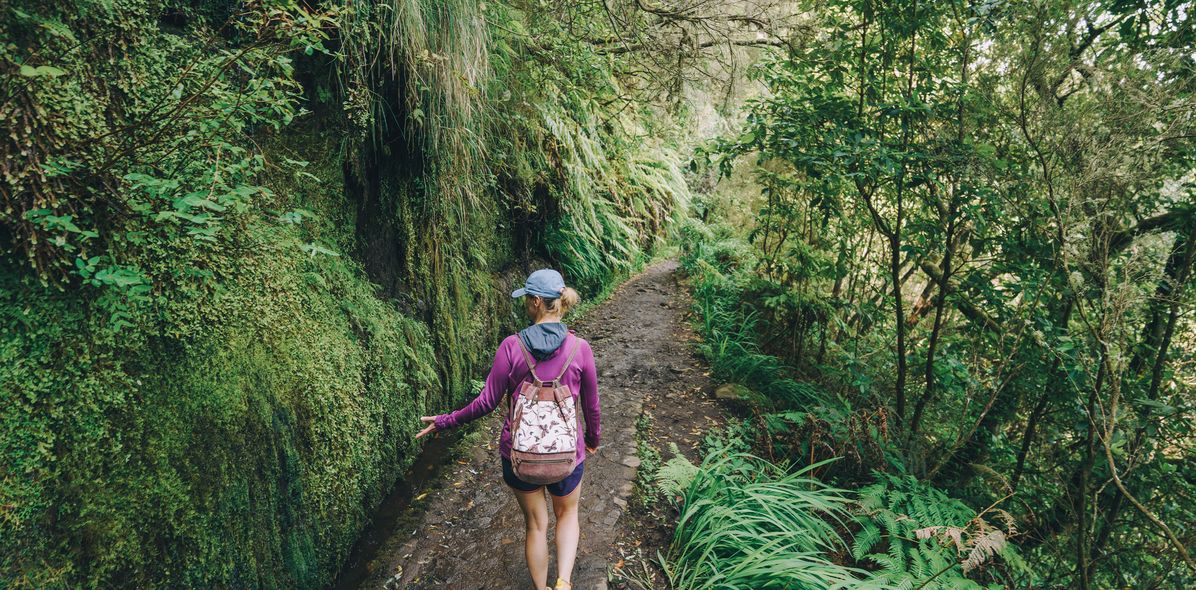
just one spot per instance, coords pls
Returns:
(746, 523)
(592, 194)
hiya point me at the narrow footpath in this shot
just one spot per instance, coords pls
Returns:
(468, 533)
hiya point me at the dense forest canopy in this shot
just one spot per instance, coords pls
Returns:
(944, 249)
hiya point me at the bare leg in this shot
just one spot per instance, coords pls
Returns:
(535, 547)
(568, 531)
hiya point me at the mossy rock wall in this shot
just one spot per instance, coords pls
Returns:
(244, 454)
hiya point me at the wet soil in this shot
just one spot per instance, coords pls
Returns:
(464, 531)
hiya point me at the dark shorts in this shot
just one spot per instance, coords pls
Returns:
(560, 488)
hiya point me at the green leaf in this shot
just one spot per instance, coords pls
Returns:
(1159, 408)
(40, 71)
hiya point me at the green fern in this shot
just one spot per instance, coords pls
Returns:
(676, 475)
(919, 536)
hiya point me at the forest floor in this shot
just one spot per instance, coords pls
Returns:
(466, 532)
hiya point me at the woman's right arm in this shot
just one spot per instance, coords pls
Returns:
(492, 392)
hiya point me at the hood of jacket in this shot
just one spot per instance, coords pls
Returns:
(543, 339)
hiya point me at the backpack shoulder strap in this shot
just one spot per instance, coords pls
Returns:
(527, 356)
(569, 361)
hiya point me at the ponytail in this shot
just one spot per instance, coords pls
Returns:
(567, 301)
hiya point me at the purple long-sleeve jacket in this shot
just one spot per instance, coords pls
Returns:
(510, 369)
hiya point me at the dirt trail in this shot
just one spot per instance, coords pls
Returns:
(470, 533)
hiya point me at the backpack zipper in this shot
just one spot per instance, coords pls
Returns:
(545, 460)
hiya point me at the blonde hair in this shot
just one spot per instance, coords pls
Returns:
(568, 300)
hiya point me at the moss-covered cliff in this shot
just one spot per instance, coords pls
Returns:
(246, 245)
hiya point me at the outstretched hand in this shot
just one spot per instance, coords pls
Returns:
(431, 426)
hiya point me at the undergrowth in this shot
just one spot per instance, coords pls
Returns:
(650, 462)
(748, 522)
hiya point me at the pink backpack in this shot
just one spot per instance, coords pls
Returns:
(544, 425)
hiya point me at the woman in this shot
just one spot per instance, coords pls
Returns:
(546, 299)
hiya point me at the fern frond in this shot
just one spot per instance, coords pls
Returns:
(676, 475)
(864, 540)
(984, 547)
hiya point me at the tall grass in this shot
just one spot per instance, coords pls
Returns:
(747, 524)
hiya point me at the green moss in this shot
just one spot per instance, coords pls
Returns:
(272, 431)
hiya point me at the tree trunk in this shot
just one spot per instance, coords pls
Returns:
(940, 303)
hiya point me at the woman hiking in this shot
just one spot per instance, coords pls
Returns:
(549, 373)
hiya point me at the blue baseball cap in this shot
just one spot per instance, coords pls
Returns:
(545, 282)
